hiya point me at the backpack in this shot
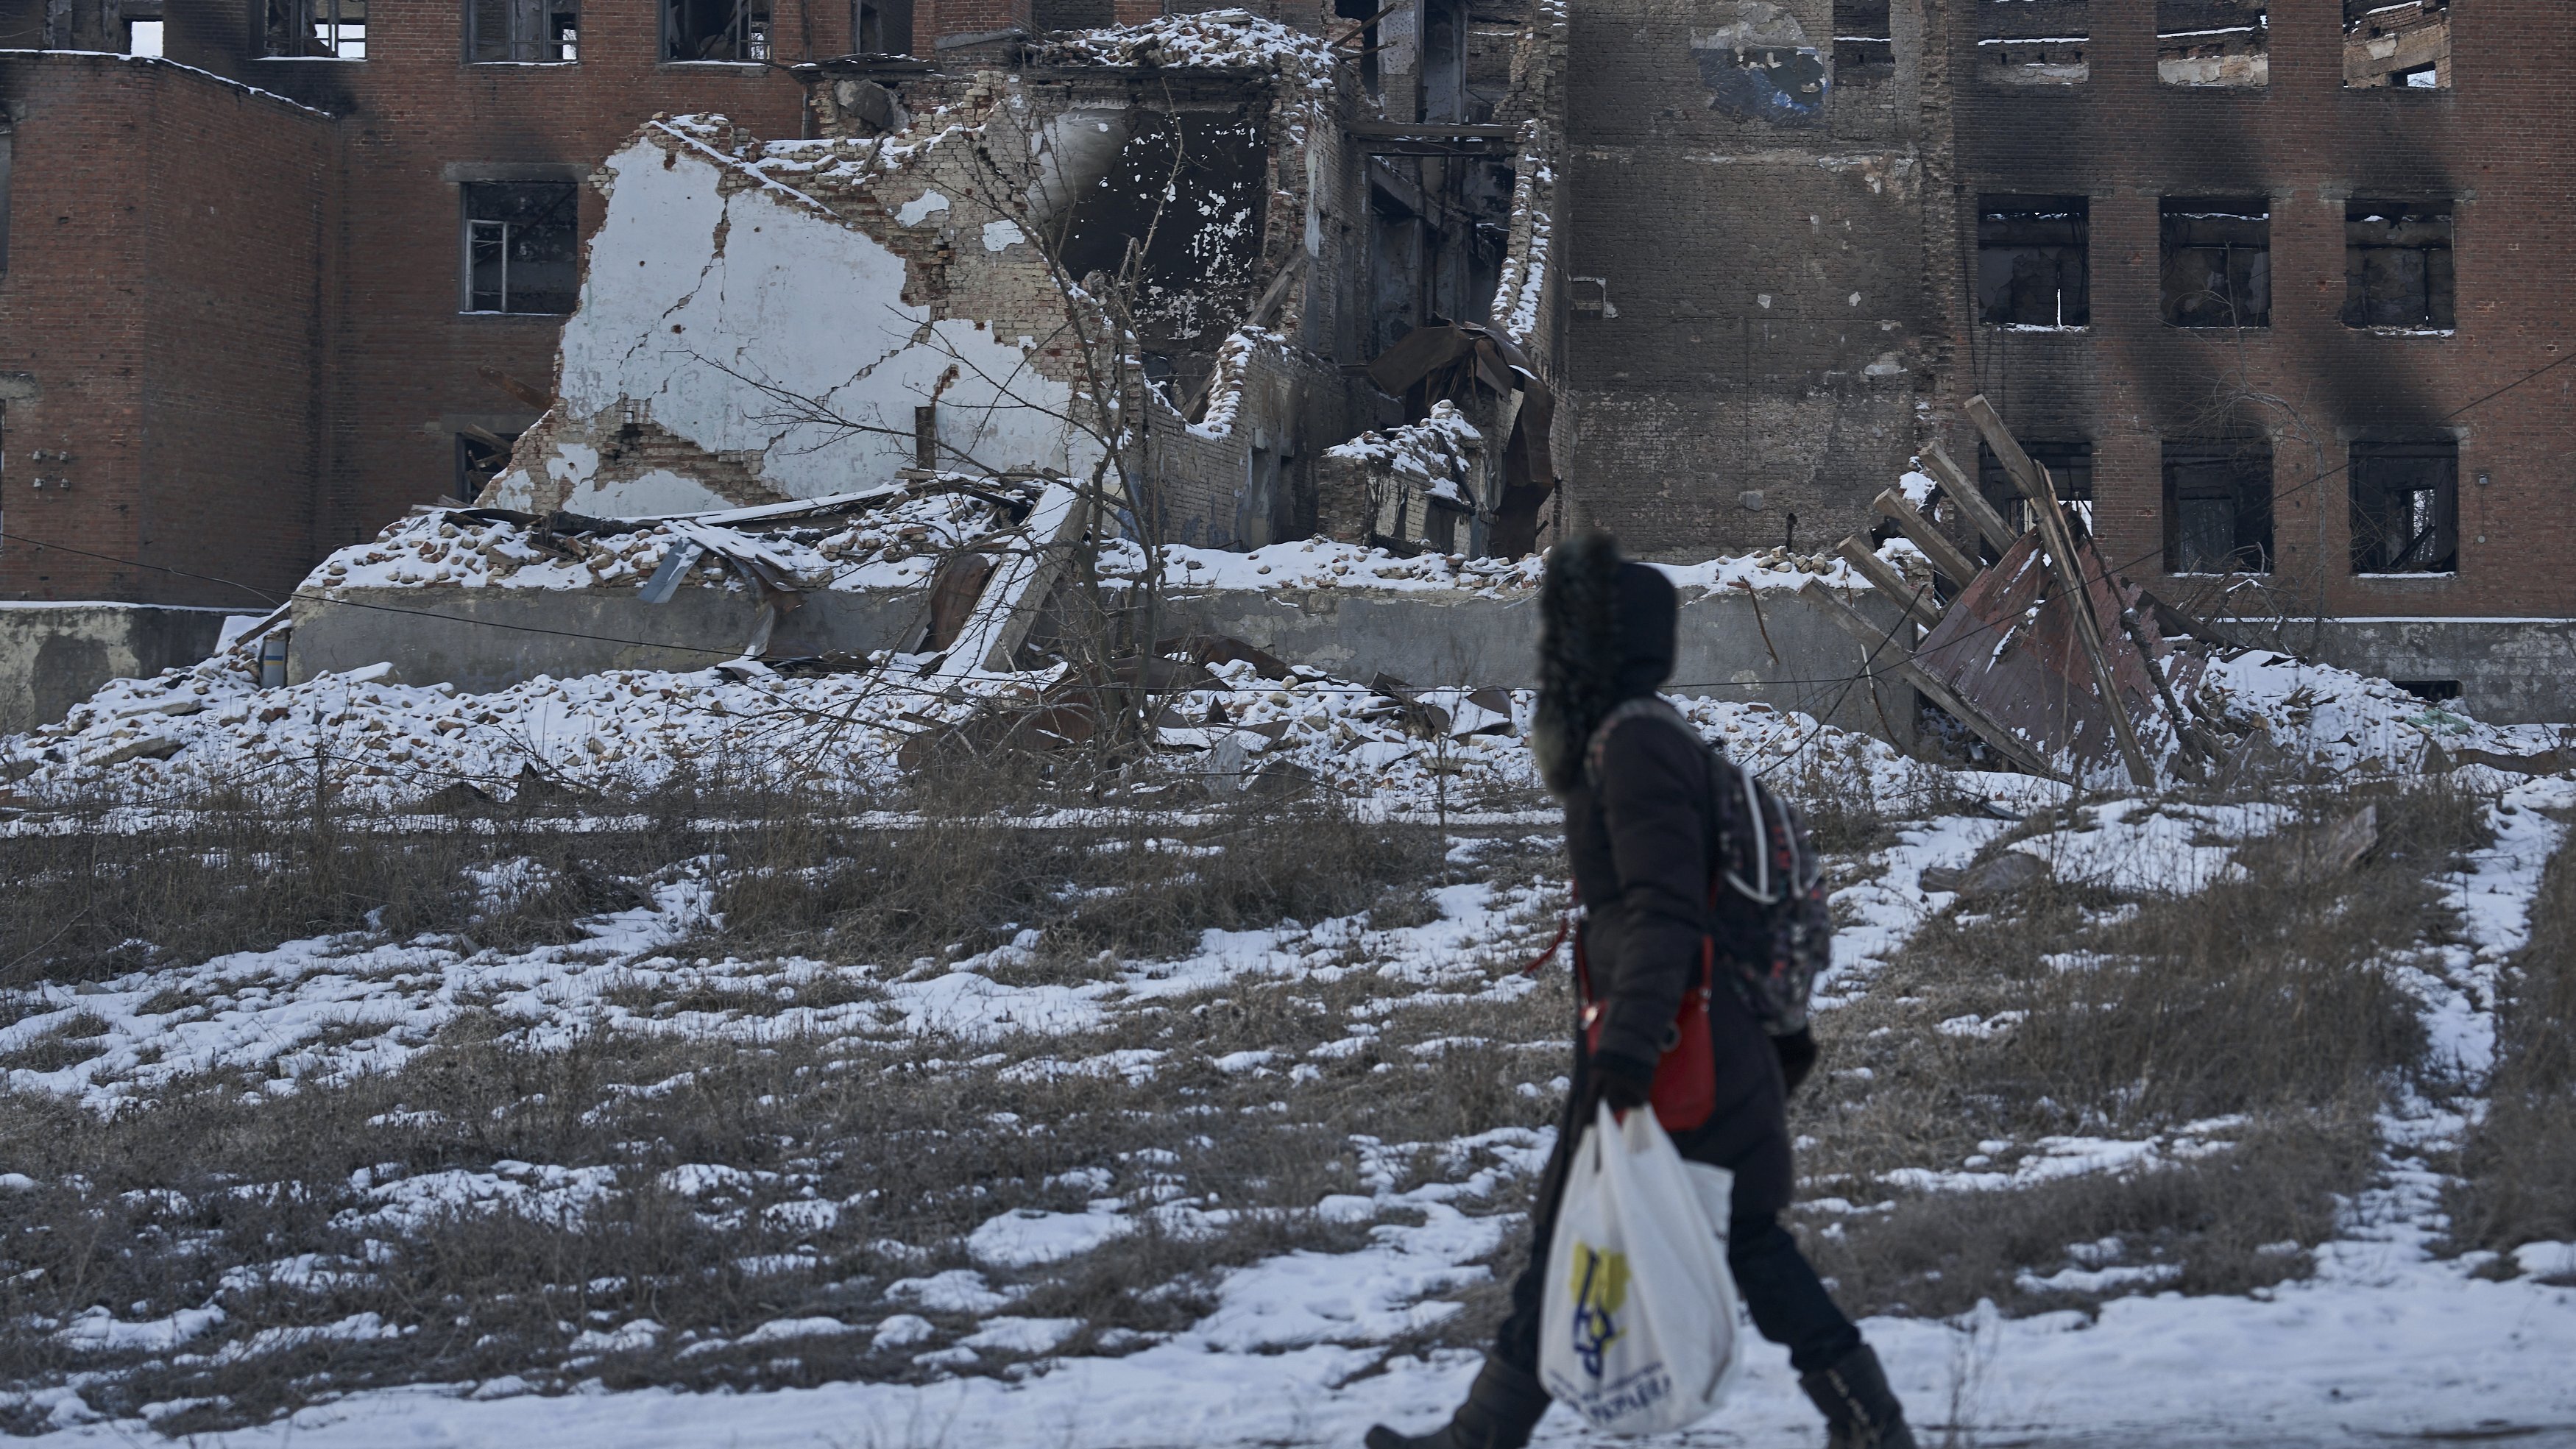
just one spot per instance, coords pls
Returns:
(1766, 894)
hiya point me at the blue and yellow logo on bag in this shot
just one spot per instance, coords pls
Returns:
(1600, 1284)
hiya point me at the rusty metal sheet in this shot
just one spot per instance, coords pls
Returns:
(2009, 647)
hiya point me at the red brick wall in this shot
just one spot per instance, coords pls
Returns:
(2495, 144)
(166, 262)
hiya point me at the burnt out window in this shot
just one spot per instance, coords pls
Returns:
(884, 27)
(2031, 261)
(524, 31)
(2406, 508)
(2405, 46)
(2214, 43)
(2218, 261)
(2397, 265)
(2070, 467)
(1864, 42)
(521, 245)
(481, 454)
(2034, 42)
(2218, 507)
(715, 29)
(323, 29)
(1190, 186)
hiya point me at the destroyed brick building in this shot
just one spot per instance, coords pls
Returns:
(1723, 268)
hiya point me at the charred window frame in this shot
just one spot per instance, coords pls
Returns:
(2034, 42)
(2397, 265)
(522, 246)
(2406, 508)
(718, 30)
(522, 32)
(2217, 261)
(1864, 42)
(2070, 467)
(2033, 268)
(2404, 45)
(2218, 507)
(313, 29)
(2225, 44)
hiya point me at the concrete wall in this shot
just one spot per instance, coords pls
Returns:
(485, 639)
(2510, 671)
(53, 656)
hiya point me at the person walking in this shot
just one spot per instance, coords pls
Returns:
(1641, 827)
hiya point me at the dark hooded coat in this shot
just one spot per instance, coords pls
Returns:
(1641, 827)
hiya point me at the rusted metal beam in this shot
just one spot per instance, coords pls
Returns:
(1888, 581)
(2059, 540)
(1902, 665)
(1955, 566)
(1965, 497)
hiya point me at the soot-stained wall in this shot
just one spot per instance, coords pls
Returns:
(1747, 329)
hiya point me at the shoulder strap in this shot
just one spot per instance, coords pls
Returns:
(1648, 706)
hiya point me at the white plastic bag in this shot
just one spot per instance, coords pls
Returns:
(1639, 1336)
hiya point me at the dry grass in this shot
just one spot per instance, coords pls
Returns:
(2259, 1012)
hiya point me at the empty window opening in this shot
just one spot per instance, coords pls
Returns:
(715, 29)
(1864, 42)
(481, 454)
(1368, 13)
(884, 27)
(2034, 42)
(336, 29)
(2218, 507)
(2406, 508)
(2213, 42)
(521, 244)
(1444, 62)
(2031, 261)
(527, 31)
(2070, 471)
(2431, 691)
(2405, 46)
(143, 37)
(2397, 265)
(2218, 261)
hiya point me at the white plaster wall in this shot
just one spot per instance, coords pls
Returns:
(693, 298)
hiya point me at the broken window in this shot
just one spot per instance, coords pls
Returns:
(481, 454)
(143, 37)
(715, 29)
(522, 30)
(521, 244)
(1117, 176)
(2406, 508)
(2218, 507)
(1444, 61)
(2034, 42)
(2031, 264)
(2213, 42)
(332, 28)
(2218, 261)
(884, 27)
(1864, 42)
(2407, 44)
(2397, 265)
(2070, 469)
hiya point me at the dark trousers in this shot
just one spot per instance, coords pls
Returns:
(1788, 1301)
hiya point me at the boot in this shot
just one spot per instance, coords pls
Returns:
(1503, 1406)
(1860, 1411)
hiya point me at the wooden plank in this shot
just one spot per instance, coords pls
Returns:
(1963, 494)
(1875, 639)
(2059, 539)
(1917, 604)
(1955, 566)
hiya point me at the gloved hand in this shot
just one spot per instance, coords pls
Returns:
(1622, 1081)
(1797, 1055)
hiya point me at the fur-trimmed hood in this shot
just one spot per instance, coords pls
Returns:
(1605, 635)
